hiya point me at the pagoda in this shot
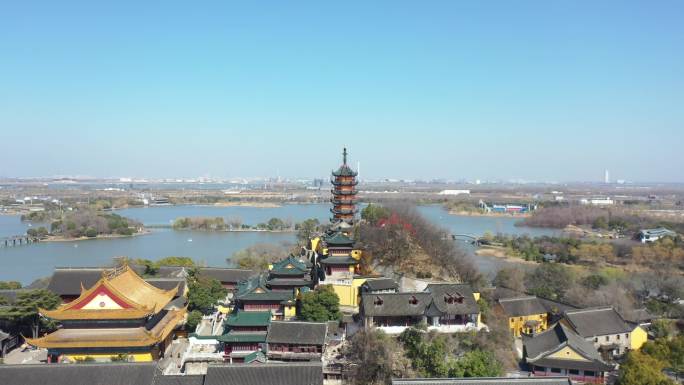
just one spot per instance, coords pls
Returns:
(121, 315)
(344, 192)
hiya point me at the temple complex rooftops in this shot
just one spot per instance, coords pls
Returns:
(522, 306)
(540, 350)
(305, 373)
(598, 321)
(251, 318)
(119, 294)
(291, 265)
(338, 239)
(111, 337)
(379, 284)
(69, 374)
(301, 333)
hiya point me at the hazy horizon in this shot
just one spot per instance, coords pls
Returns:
(533, 90)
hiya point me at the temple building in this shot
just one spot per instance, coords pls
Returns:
(120, 316)
(344, 192)
(244, 336)
(559, 351)
(296, 341)
(254, 295)
(289, 274)
(526, 315)
(444, 307)
(338, 254)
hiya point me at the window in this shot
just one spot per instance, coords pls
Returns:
(596, 339)
(626, 335)
(555, 370)
(607, 339)
(574, 371)
(589, 373)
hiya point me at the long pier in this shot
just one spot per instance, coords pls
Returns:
(17, 240)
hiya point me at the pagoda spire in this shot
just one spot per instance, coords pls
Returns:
(343, 191)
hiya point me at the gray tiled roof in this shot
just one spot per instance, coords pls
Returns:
(515, 307)
(225, 274)
(598, 321)
(70, 374)
(67, 280)
(168, 284)
(395, 304)
(539, 346)
(305, 333)
(484, 381)
(310, 373)
(373, 284)
(551, 339)
(442, 292)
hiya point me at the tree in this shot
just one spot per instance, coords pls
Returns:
(10, 285)
(373, 213)
(374, 357)
(176, 261)
(320, 305)
(476, 363)
(642, 369)
(25, 309)
(275, 224)
(204, 293)
(549, 280)
(194, 318)
(258, 256)
(512, 278)
(307, 229)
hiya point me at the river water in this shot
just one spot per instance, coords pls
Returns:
(27, 263)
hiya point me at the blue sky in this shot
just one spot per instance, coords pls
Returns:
(538, 90)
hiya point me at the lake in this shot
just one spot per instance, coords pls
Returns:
(27, 263)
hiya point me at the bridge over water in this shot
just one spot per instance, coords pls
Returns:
(17, 240)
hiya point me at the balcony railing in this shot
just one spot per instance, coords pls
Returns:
(343, 192)
(343, 201)
(335, 182)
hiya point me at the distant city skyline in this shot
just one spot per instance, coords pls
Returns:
(531, 90)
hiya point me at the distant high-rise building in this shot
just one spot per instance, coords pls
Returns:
(344, 192)
(606, 177)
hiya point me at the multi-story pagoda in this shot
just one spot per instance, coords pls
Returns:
(120, 315)
(344, 192)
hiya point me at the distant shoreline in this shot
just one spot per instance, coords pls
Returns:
(490, 214)
(60, 238)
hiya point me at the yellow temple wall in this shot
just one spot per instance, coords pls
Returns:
(349, 294)
(517, 324)
(289, 312)
(567, 354)
(637, 338)
(135, 357)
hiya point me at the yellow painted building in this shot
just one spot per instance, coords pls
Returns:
(637, 338)
(120, 316)
(526, 315)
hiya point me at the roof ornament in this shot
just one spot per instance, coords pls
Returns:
(344, 156)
